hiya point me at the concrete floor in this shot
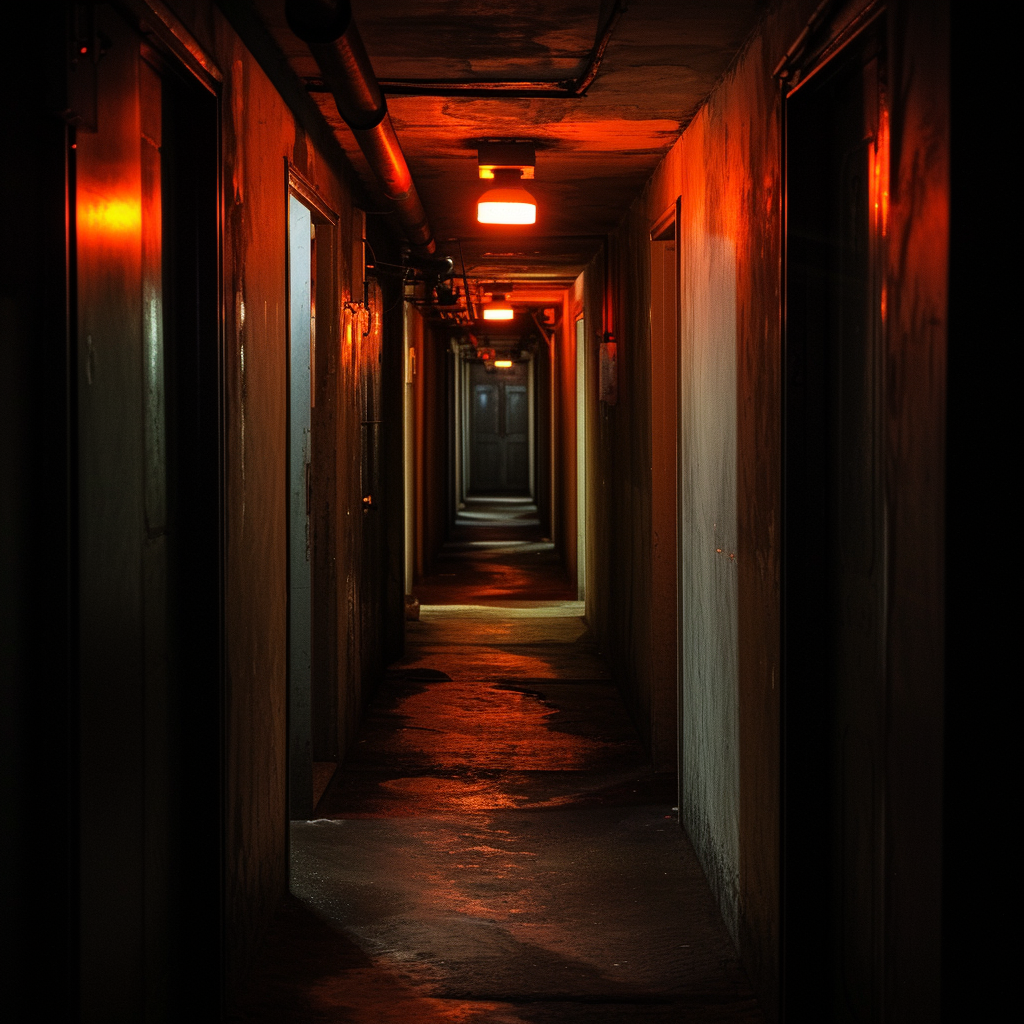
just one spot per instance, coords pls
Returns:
(497, 555)
(497, 849)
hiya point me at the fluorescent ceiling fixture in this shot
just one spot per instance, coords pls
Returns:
(503, 364)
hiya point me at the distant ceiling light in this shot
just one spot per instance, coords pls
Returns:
(503, 364)
(498, 309)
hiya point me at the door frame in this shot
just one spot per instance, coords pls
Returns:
(463, 425)
(300, 656)
(807, 878)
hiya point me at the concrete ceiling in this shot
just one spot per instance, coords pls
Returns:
(594, 153)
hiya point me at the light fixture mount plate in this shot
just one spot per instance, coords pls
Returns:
(506, 156)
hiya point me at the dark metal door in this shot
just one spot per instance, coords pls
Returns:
(148, 512)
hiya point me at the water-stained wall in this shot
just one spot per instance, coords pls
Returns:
(727, 172)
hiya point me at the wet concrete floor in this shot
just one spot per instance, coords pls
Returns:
(496, 849)
(496, 554)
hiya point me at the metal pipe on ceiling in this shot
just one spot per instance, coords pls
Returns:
(327, 28)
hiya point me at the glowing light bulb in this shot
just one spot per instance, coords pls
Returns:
(498, 309)
(508, 203)
(498, 314)
(507, 206)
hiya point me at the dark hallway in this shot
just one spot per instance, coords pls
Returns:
(503, 511)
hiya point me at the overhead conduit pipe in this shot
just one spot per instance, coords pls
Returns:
(327, 28)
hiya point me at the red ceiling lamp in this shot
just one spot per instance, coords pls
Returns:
(506, 164)
(498, 308)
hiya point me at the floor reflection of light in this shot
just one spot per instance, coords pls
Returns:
(493, 855)
(512, 610)
(454, 795)
(374, 993)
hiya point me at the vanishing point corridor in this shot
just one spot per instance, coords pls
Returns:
(504, 511)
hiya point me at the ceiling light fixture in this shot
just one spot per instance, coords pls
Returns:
(508, 204)
(498, 309)
(507, 164)
(503, 364)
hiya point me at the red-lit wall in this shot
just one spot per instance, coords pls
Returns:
(727, 172)
(260, 135)
(166, 806)
(565, 440)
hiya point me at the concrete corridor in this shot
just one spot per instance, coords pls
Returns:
(497, 848)
(750, 397)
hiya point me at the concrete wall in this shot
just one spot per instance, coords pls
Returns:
(170, 790)
(261, 136)
(726, 171)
